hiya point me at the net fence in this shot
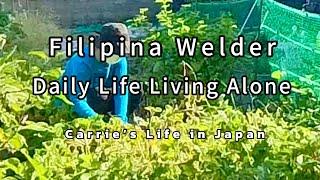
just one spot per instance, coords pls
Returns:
(298, 36)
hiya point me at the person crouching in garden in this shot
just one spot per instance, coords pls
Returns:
(92, 68)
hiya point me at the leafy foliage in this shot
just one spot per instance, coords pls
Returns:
(11, 28)
(33, 145)
(183, 24)
(287, 152)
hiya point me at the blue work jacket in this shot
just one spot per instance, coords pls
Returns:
(89, 69)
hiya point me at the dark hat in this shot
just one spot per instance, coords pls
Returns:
(111, 32)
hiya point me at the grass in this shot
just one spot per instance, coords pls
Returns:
(38, 26)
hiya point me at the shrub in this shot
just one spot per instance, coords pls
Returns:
(10, 28)
(183, 24)
(33, 143)
(290, 152)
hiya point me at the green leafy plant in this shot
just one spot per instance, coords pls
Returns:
(184, 24)
(287, 152)
(10, 28)
(33, 143)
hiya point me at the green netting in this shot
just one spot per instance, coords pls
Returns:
(298, 34)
